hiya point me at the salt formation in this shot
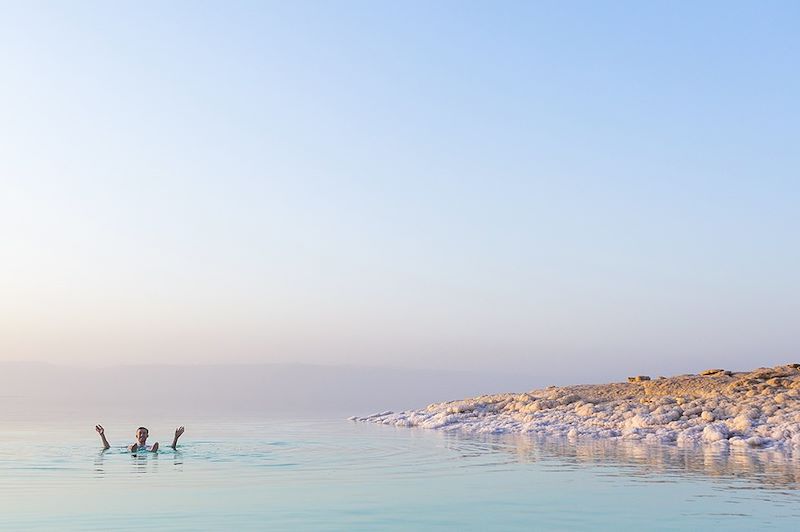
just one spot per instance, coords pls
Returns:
(717, 407)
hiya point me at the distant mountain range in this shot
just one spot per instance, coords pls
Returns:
(245, 389)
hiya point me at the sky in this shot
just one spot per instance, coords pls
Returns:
(552, 188)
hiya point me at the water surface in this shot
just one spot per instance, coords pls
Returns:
(338, 475)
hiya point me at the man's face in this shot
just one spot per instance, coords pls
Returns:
(141, 436)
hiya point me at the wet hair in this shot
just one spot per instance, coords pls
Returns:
(144, 429)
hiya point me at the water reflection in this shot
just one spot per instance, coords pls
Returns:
(99, 463)
(319, 475)
(108, 460)
(766, 468)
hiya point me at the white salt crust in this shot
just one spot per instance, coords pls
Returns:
(760, 408)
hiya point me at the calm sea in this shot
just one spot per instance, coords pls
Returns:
(332, 474)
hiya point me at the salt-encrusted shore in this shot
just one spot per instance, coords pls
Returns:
(760, 408)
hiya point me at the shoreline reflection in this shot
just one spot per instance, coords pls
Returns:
(764, 468)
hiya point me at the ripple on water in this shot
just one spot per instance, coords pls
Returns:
(370, 476)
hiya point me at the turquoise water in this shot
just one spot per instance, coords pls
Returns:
(338, 475)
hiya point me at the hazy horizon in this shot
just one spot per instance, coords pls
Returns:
(570, 377)
(156, 391)
(583, 190)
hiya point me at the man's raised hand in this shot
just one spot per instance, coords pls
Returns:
(178, 433)
(102, 432)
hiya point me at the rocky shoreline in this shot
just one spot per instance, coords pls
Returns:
(760, 408)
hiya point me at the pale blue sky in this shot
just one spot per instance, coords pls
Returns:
(598, 188)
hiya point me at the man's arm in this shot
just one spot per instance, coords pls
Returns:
(102, 432)
(178, 433)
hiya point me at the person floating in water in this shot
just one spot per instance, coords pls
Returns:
(141, 439)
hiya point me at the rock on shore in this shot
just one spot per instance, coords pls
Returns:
(760, 408)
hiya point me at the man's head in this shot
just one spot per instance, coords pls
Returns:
(141, 435)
